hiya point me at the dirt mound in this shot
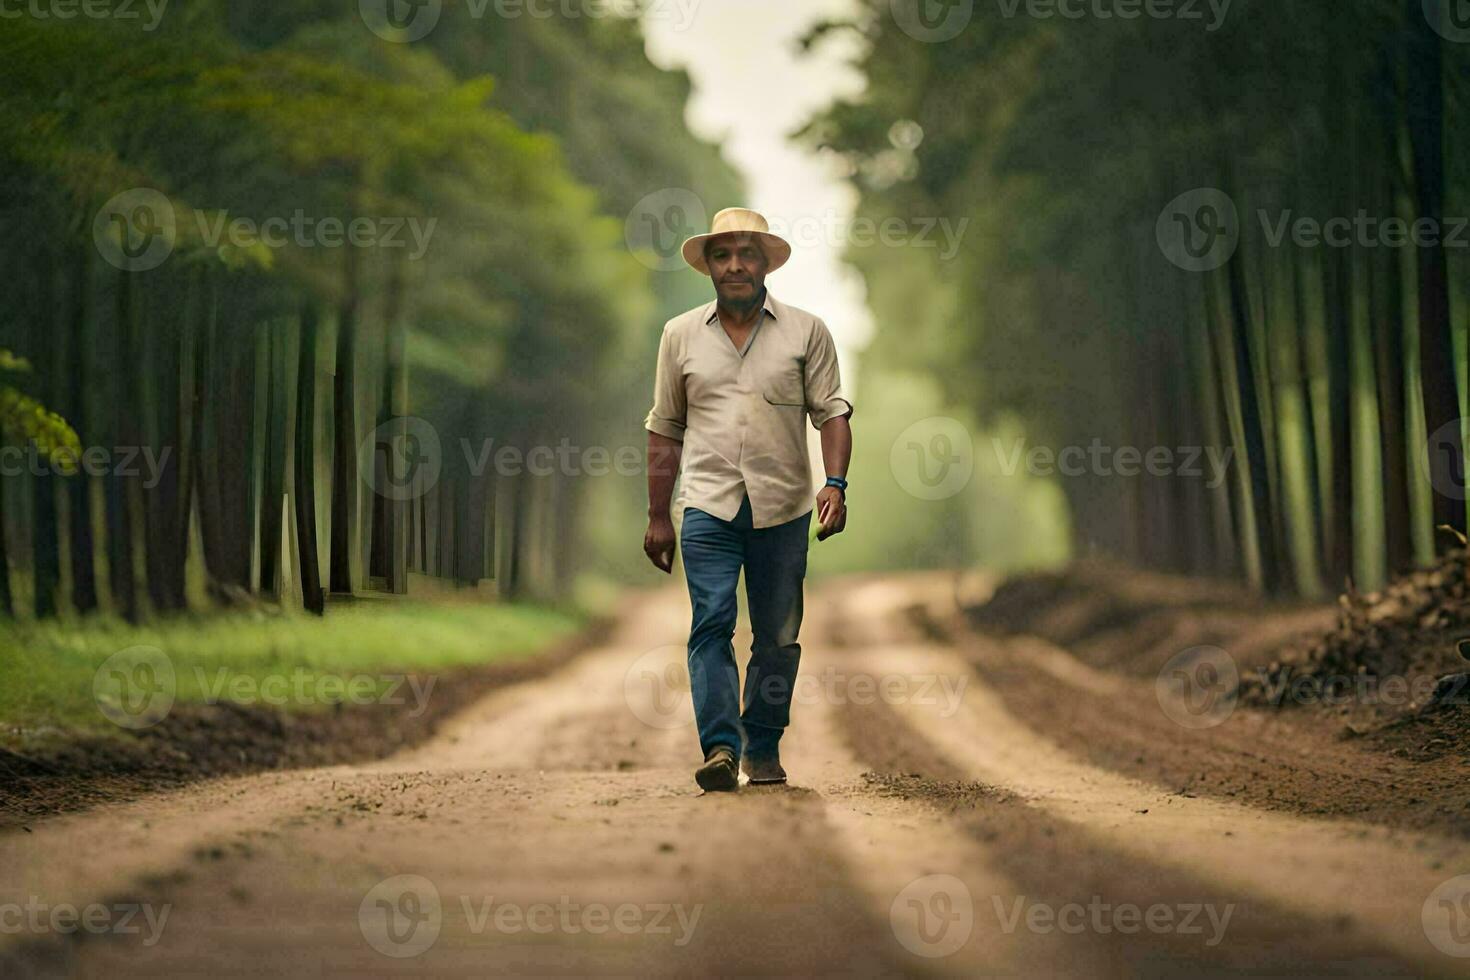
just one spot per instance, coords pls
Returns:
(1133, 622)
(1390, 664)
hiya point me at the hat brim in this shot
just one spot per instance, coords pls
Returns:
(777, 249)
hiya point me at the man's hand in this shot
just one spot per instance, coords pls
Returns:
(658, 544)
(831, 512)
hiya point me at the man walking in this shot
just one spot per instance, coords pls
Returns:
(736, 378)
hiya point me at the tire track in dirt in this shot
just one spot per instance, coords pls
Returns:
(519, 806)
(1369, 880)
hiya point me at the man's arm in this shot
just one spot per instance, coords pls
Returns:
(836, 454)
(663, 465)
(665, 425)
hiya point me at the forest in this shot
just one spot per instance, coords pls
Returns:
(258, 255)
(1252, 239)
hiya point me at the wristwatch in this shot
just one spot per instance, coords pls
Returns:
(839, 483)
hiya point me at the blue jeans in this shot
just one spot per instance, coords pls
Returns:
(774, 559)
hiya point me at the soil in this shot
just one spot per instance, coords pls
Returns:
(1079, 654)
(921, 834)
(198, 741)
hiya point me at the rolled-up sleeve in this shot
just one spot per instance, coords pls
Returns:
(825, 399)
(667, 417)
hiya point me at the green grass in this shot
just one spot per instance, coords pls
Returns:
(47, 668)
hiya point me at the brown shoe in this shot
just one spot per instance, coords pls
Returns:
(763, 770)
(718, 774)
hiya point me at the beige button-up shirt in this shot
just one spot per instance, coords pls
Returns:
(739, 413)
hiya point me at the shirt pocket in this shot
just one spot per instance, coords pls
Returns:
(786, 386)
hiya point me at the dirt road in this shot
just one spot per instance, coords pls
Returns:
(554, 829)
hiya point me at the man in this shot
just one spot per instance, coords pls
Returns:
(735, 380)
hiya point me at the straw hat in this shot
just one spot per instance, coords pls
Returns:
(739, 220)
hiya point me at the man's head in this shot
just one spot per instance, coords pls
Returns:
(737, 253)
(737, 266)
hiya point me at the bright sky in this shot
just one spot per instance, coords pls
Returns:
(752, 88)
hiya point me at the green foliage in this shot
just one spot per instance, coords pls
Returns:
(47, 673)
(26, 421)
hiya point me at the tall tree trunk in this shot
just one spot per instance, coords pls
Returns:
(312, 594)
(344, 447)
(122, 581)
(7, 600)
(45, 528)
(1338, 296)
(77, 407)
(1252, 426)
(1424, 109)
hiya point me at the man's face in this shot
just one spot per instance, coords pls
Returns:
(738, 267)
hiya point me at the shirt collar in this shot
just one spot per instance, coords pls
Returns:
(768, 304)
